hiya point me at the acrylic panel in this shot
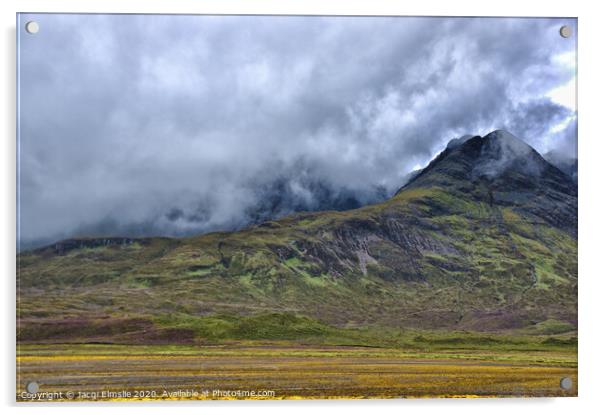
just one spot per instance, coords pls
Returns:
(285, 207)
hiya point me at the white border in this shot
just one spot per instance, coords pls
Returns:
(590, 210)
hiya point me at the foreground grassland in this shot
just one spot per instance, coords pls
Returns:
(284, 370)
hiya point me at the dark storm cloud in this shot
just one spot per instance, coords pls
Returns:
(182, 124)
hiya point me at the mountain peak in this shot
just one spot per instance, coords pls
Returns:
(501, 151)
(496, 155)
(503, 135)
(510, 142)
(457, 142)
(499, 136)
(501, 170)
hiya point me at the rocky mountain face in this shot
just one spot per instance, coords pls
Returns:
(501, 170)
(484, 238)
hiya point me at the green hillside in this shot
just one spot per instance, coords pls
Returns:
(483, 239)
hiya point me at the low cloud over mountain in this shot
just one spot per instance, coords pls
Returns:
(174, 125)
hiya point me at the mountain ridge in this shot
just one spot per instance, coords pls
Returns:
(453, 249)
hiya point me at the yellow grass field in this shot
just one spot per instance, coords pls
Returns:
(277, 371)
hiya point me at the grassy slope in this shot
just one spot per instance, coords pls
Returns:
(461, 264)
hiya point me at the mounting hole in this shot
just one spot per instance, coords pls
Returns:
(32, 27)
(566, 31)
(566, 383)
(32, 387)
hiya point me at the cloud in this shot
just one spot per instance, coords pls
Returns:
(182, 124)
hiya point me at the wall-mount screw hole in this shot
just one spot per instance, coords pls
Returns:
(32, 387)
(566, 383)
(566, 31)
(32, 27)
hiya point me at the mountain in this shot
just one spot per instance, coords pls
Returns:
(294, 189)
(287, 195)
(484, 238)
(503, 171)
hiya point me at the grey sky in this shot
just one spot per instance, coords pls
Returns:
(128, 119)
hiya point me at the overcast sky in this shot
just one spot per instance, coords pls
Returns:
(125, 120)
